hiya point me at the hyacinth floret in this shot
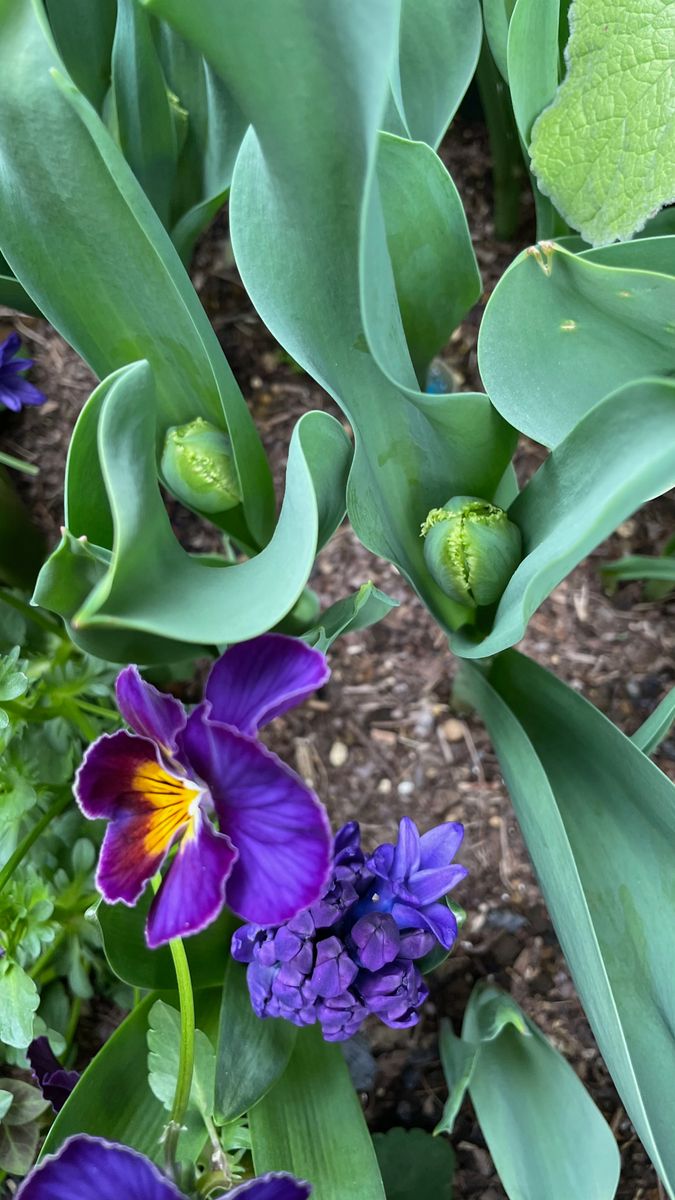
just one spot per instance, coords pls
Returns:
(357, 950)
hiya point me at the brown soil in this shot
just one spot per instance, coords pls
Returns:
(380, 741)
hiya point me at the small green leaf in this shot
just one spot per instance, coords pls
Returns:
(459, 1060)
(163, 1056)
(18, 1147)
(28, 1103)
(13, 682)
(19, 1000)
(414, 1165)
(366, 607)
(252, 1054)
(601, 150)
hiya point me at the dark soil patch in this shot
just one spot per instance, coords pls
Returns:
(381, 742)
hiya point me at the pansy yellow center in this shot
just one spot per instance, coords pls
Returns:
(171, 803)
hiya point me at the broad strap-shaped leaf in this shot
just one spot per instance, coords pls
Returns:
(561, 330)
(149, 584)
(123, 933)
(545, 1134)
(84, 34)
(439, 44)
(640, 566)
(251, 1054)
(532, 59)
(599, 822)
(21, 544)
(657, 726)
(309, 236)
(496, 18)
(311, 1125)
(603, 150)
(71, 210)
(145, 122)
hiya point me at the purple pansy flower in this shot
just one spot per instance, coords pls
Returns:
(159, 787)
(14, 389)
(53, 1080)
(88, 1168)
(356, 950)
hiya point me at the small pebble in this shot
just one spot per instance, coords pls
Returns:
(338, 754)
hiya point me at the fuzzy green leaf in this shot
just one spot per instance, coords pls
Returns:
(163, 1055)
(603, 150)
(19, 1000)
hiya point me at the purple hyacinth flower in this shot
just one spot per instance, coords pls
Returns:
(160, 786)
(53, 1080)
(395, 994)
(413, 875)
(15, 391)
(87, 1168)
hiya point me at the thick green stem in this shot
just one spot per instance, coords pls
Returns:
(186, 1055)
(59, 805)
(507, 165)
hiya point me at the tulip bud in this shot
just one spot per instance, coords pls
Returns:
(471, 549)
(198, 466)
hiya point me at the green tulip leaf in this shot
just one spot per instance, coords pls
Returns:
(496, 18)
(657, 726)
(545, 1134)
(414, 1165)
(252, 1055)
(601, 473)
(600, 151)
(311, 1125)
(439, 44)
(366, 607)
(314, 256)
(84, 34)
(599, 822)
(533, 77)
(562, 330)
(144, 119)
(203, 603)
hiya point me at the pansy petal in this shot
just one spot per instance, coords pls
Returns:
(407, 852)
(273, 819)
(87, 1168)
(272, 1187)
(192, 893)
(437, 918)
(439, 845)
(427, 886)
(149, 712)
(256, 681)
(121, 778)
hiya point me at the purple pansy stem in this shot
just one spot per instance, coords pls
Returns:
(88, 1168)
(258, 680)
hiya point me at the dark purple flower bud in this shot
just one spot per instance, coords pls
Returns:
(341, 1016)
(53, 1080)
(334, 969)
(415, 943)
(377, 939)
(395, 994)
